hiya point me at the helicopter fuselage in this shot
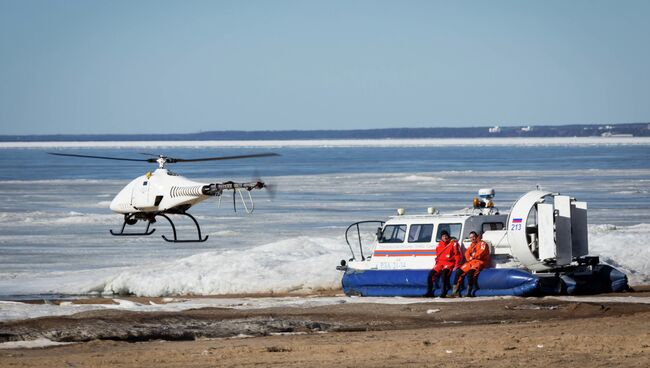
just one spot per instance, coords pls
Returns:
(158, 192)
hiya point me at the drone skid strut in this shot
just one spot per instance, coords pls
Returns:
(131, 220)
(175, 240)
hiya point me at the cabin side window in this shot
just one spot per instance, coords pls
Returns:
(420, 233)
(452, 229)
(393, 234)
(488, 226)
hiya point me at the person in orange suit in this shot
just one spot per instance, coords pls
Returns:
(448, 258)
(477, 257)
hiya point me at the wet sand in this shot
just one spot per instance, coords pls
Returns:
(491, 332)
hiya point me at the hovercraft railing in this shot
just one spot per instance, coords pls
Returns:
(356, 225)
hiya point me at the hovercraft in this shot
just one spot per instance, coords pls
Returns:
(539, 248)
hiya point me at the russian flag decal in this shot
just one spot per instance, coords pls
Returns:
(516, 221)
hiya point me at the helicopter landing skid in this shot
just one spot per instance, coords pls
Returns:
(130, 220)
(175, 240)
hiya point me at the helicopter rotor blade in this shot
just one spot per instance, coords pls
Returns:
(256, 176)
(174, 160)
(149, 154)
(169, 160)
(272, 189)
(102, 157)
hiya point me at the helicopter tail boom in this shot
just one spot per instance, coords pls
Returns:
(216, 189)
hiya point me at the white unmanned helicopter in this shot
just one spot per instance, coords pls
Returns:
(163, 192)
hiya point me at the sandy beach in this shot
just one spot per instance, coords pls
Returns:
(602, 331)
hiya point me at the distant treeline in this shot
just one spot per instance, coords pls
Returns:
(585, 130)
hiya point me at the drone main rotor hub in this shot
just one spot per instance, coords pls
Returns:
(162, 160)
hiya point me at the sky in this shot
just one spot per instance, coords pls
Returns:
(127, 67)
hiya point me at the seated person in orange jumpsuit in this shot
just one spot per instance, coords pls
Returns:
(477, 257)
(448, 258)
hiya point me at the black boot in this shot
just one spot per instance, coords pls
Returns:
(445, 282)
(431, 284)
(470, 284)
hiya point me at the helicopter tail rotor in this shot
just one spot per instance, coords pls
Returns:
(271, 188)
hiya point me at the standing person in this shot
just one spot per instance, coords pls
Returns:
(448, 258)
(477, 257)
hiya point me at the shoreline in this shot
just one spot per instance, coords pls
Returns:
(106, 299)
(34, 308)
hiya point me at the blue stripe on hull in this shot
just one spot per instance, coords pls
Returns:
(491, 282)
